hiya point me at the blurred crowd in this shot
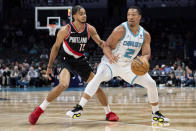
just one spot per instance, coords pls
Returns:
(23, 74)
(33, 73)
(175, 75)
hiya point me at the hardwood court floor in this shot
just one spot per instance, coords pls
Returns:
(131, 105)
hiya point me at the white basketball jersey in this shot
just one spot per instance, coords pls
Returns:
(130, 45)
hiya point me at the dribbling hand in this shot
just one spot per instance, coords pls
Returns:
(49, 73)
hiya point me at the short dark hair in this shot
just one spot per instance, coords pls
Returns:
(76, 8)
(137, 8)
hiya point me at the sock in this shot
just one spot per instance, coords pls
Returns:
(44, 105)
(155, 108)
(107, 109)
(83, 101)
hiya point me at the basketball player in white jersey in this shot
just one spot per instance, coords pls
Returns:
(122, 46)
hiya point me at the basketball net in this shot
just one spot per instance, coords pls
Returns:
(52, 29)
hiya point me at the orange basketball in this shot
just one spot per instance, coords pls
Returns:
(140, 66)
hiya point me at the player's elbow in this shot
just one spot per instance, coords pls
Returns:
(55, 47)
(101, 45)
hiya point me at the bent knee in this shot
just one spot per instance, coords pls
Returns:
(62, 86)
(99, 91)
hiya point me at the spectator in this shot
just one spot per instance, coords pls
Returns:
(24, 80)
(14, 76)
(171, 80)
(155, 73)
(43, 77)
(6, 77)
(168, 69)
(163, 75)
(33, 75)
(180, 76)
(189, 77)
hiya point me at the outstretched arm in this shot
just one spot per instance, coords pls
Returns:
(94, 35)
(112, 42)
(55, 48)
(146, 50)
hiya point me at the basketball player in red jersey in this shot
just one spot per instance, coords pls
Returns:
(73, 39)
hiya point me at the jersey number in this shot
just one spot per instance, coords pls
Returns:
(129, 53)
(82, 47)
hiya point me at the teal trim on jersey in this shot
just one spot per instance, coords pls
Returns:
(133, 79)
(124, 33)
(143, 35)
(132, 32)
(110, 71)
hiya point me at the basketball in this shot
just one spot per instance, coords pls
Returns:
(140, 66)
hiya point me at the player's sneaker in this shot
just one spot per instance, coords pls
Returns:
(111, 117)
(157, 116)
(34, 116)
(76, 112)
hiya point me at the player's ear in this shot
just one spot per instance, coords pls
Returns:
(140, 17)
(74, 17)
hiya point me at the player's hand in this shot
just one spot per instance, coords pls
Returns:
(113, 59)
(49, 73)
(144, 57)
(141, 58)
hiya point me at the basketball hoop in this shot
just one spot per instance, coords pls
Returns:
(52, 29)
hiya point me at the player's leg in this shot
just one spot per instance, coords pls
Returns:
(147, 82)
(100, 94)
(103, 74)
(64, 79)
(111, 116)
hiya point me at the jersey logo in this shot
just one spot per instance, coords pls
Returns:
(132, 43)
(78, 39)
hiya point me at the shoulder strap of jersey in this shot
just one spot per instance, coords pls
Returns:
(124, 26)
(69, 32)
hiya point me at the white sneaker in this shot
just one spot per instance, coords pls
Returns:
(157, 116)
(76, 112)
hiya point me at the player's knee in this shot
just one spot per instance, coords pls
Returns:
(98, 91)
(62, 86)
(102, 77)
(98, 78)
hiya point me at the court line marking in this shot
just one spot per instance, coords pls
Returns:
(64, 118)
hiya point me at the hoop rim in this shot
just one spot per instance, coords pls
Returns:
(52, 29)
(52, 26)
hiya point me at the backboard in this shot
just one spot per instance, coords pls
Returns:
(46, 15)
